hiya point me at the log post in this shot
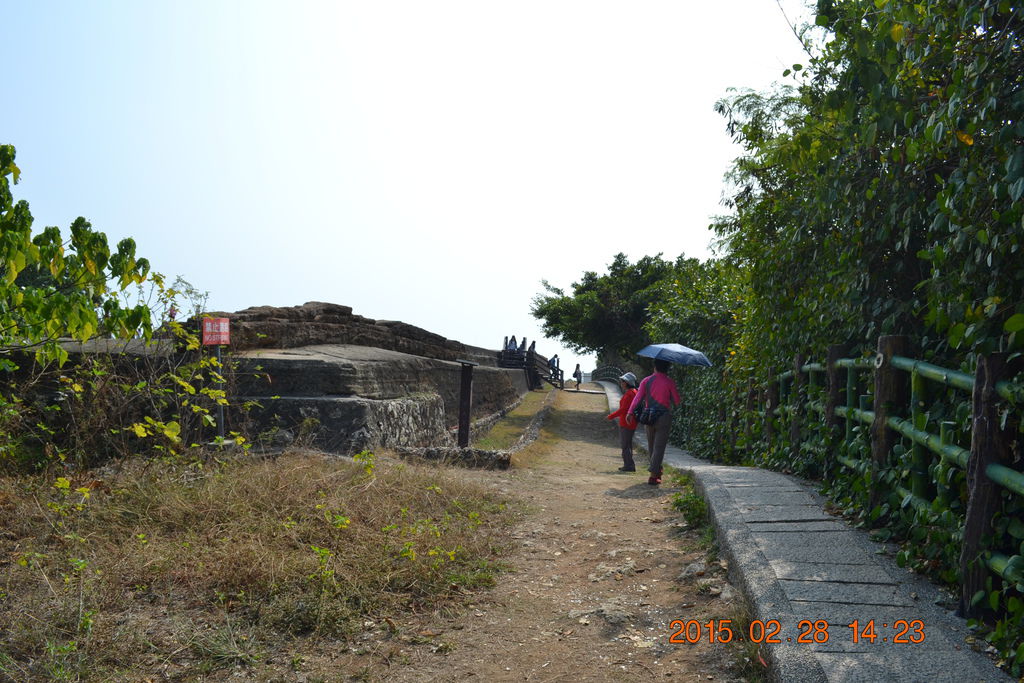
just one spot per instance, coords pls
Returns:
(890, 394)
(796, 405)
(771, 405)
(835, 379)
(748, 413)
(989, 444)
(836, 382)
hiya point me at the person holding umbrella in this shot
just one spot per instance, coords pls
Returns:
(658, 395)
(627, 421)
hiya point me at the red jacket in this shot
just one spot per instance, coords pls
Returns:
(626, 418)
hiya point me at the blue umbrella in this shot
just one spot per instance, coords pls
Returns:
(675, 353)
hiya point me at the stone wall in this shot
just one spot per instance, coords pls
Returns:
(345, 383)
(345, 398)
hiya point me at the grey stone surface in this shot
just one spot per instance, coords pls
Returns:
(364, 398)
(779, 513)
(754, 495)
(798, 527)
(893, 664)
(829, 547)
(347, 425)
(824, 573)
(346, 370)
(816, 590)
(817, 571)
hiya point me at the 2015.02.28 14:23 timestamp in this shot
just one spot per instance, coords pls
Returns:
(903, 631)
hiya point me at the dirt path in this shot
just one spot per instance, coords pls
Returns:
(596, 580)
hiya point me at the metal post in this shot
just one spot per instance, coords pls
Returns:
(220, 406)
(465, 401)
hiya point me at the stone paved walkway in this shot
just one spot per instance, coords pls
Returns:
(796, 563)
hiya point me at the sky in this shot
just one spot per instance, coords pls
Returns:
(429, 161)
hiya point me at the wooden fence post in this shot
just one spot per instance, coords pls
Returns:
(795, 405)
(748, 422)
(835, 379)
(890, 392)
(989, 444)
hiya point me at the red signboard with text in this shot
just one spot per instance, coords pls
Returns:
(216, 331)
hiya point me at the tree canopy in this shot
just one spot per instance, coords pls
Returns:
(604, 312)
(52, 287)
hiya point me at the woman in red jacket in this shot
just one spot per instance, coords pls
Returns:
(627, 421)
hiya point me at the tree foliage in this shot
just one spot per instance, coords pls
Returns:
(52, 287)
(604, 312)
(881, 194)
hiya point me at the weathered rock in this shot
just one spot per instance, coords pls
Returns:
(315, 323)
(693, 570)
(352, 424)
(341, 370)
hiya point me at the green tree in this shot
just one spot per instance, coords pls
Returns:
(52, 288)
(605, 312)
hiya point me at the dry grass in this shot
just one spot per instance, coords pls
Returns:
(164, 567)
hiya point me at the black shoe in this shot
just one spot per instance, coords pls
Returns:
(627, 469)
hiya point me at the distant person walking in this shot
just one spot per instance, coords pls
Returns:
(577, 375)
(627, 421)
(656, 398)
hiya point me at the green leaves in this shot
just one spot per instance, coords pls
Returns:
(1014, 323)
(50, 290)
(605, 312)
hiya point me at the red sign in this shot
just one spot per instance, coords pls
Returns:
(216, 331)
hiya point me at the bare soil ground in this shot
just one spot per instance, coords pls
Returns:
(594, 586)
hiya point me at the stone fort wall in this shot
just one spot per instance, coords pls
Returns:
(346, 383)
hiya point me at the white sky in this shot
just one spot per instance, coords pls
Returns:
(428, 161)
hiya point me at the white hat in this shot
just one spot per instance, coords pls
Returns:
(629, 378)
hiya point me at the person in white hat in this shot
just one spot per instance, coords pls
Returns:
(627, 421)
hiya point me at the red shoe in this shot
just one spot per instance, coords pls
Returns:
(654, 479)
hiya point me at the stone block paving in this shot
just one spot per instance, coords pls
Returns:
(795, 563)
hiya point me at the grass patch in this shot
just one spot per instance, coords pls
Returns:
(688, 502)
(748, 660)
(109, 574)
(506, 431)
